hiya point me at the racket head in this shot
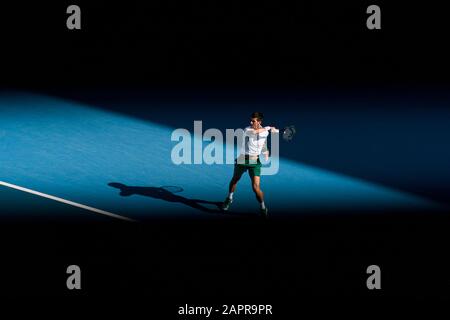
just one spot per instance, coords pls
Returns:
(289, 133)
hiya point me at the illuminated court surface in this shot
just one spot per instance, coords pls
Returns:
(106, 163)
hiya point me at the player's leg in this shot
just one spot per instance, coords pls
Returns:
(237, 174)
(256, 186)
(256, 181)
(233, 183)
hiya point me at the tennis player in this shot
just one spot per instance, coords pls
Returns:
(254, 144)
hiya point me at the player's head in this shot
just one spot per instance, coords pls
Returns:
(256, 119)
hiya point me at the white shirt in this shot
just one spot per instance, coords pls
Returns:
(254, 143)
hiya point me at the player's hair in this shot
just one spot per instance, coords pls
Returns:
(258, 115)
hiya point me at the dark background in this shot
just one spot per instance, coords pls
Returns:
(164, 46)
(225, 43)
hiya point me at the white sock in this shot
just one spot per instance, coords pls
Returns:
(230, 195)
(263, 206)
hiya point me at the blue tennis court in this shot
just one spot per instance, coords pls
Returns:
(117, 164)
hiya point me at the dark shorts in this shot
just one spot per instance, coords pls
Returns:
(254, 169)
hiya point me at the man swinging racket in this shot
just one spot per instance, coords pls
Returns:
(255, 143)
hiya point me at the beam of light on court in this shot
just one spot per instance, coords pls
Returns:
(72, 151)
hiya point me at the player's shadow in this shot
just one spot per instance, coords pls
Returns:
(163, 193)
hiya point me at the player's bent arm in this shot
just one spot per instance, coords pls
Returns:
(272, 129)
(264, 129)
(249, 130)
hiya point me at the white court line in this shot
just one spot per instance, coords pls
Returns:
(71, 203)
